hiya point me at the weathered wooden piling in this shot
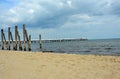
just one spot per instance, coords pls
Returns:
(20, 45)
(29, 43)
(15, 46)
(9, 38)
(40, 41)
(12, 39)
(7, 44)
(19, 41)
(24, 37)
(2, 39)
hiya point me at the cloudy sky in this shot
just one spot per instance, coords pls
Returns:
(57, 19)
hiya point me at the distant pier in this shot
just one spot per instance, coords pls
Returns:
(58, 40)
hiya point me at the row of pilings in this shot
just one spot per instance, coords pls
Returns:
(17, 43)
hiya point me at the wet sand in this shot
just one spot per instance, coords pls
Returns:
(31, 65)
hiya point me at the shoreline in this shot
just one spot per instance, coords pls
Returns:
(33, 65)
(61, 53)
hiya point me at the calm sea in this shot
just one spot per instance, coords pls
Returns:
(104, 47)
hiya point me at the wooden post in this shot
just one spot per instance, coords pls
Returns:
(2, 39)
(8, 38)
(19, 41)
(12, 39)
(15, 47)
(29, 43)
(40, 41)
(24, 37)
(20, 45)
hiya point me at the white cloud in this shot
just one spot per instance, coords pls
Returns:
(61, 14)
(69, 3)
(81, 16)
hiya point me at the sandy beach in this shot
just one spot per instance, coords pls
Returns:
(31, 65)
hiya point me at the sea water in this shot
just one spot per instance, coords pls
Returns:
(106, 47)
(100, 47)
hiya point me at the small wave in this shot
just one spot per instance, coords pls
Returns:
(108, 48)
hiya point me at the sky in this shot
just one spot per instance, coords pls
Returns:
(60, 19)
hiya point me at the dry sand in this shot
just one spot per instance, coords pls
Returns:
(29, 65)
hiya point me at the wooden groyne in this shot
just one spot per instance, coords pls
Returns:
(17, 43)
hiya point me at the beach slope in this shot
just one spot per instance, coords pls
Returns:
(31, 65)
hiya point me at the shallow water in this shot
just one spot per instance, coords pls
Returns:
(104, 47)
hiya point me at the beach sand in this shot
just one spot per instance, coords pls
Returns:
(31, 65)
